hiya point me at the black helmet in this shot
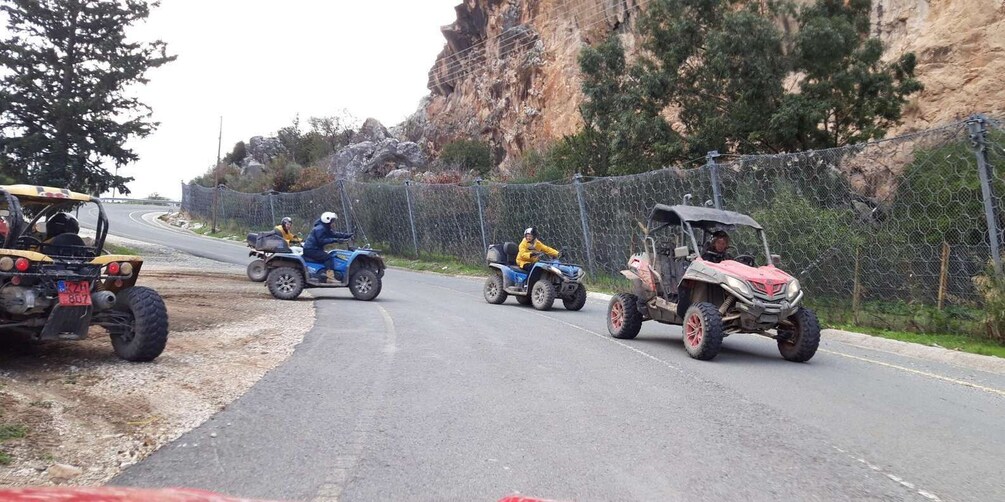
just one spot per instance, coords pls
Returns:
(61, 223)
(532, 231)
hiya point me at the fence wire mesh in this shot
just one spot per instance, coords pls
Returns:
(889, 233)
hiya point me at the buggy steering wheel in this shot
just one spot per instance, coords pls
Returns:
(26, 241)
(745, 259)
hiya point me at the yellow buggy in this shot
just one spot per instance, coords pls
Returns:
(55, 284)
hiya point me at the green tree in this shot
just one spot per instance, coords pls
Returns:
(624, 132)
(236, 155)
(847, 93)
(64, 109)
(721, 65)
(325, 136)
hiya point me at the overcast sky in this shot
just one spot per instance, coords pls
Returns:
(258, 63)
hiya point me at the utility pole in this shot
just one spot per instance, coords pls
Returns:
(216, 174)
(113, 186)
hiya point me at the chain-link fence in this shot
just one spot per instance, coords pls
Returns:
(889, 233)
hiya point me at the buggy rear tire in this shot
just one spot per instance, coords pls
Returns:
(285, 283)
(257, 271)
(522, 299)
(799, 343)
(623, 318)
(702, 331)
(365, 285)
(542, 295)
(145, 337)
(493, 289)
(577, 301)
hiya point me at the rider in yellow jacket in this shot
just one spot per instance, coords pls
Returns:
(285, 229)
(530, 246)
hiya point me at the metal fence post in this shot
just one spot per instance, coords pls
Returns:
(977, 126)
(272, 206)
(578, 181)
(713, 170)
(411, 217)
(481, 211)
(349, 223)
(222, 206)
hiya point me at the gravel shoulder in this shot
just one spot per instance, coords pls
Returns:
(86, 415)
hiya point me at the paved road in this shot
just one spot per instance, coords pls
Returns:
(139, 222)
(431, 393)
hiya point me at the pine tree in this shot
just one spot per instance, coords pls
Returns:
(65, 67)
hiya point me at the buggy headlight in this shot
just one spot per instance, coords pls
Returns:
(738, 286)
(555, 270)
(792, 289)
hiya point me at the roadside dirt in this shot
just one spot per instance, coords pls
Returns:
(85, 414)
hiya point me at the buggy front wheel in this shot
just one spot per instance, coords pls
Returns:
(799, 343)
(703, 332)
(577, 301)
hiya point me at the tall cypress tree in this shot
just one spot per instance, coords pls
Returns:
(65, 113)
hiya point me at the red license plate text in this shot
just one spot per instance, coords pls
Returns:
(74, 293)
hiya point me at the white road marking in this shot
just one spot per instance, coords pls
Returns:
(893, 477)
(964, 383)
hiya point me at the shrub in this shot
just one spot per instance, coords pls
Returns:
(992, 288)
(468, 154)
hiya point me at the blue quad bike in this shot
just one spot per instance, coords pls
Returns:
(359, 269)
(547, 280)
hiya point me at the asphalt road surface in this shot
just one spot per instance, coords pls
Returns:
(430, 393)
(139, 222)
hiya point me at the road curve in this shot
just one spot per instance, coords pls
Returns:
(431, 393)
(139, 222)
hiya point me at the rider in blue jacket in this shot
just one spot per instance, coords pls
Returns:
(323, 235)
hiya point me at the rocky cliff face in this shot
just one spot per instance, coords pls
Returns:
(508, 73)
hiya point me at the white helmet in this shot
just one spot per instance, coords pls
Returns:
(328, 217)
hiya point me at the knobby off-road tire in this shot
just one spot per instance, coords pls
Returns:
(522, 299)
(257, 271)
(702, 331)
(623, 318)
(493, 289)
(577, 301)
(285, 283)
(542, 295)
(146, 335)
(364, 284)
(799, 343)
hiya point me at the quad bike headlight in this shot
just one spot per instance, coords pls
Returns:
(6, 263)
(739, 286)
(792, 289)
